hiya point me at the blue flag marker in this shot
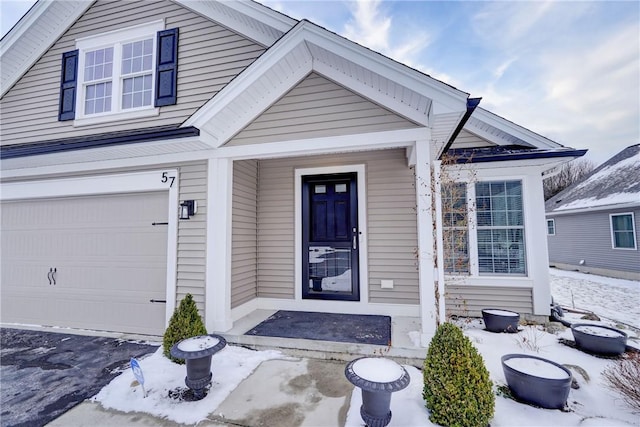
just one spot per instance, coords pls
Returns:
(137, 372)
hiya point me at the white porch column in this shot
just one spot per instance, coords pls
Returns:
(426, 269)
(538, 251)
(218, 277)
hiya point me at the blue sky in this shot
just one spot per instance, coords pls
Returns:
(568, 70)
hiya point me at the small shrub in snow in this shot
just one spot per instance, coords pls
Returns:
(624, 378)
(184, 323)
(457, 388)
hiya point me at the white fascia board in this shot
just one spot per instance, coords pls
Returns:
(594, 209)
(307, 32)
(244, 80)
(371, 93)
(17, 47)
(514, 129)
(440, 92)
(254, 13)
(264, 14)
(325, 145)
(245, 108)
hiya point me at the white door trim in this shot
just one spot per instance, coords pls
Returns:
(359, 169)
(135, 182)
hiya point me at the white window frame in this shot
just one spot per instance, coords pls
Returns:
(553, 226)
(523, 227)
(633, 231)
(116, 39)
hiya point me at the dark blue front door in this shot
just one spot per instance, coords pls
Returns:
(330, 237)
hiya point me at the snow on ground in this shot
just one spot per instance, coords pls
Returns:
(615, 299)
(593, 404)
(229, 366)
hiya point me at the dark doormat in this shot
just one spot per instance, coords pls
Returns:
(354, 328)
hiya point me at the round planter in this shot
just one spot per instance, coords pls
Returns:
(599, 339)
(197, 352)
(538, 381)
(498, 320)
(378, 378)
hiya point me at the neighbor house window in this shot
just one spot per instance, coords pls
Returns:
(622, 231)
(551, 227)
(500, 227)
(455, 228)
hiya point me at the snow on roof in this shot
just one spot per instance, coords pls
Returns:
(615, 182)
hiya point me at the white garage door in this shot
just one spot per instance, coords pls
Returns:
(109, 261)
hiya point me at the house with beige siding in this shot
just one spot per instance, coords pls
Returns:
(156, 148)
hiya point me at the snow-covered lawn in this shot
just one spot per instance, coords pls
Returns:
(615, 299)
(593, 404)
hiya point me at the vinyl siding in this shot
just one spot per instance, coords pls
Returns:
(318, 107)
(470, 300)
(209, 56)
(466, 139)
(587, 236)
(244, 261)
(391, 218)
(192, 234)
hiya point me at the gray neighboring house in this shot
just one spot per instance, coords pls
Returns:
(592, 226)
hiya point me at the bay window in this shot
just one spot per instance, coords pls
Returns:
(498, 226)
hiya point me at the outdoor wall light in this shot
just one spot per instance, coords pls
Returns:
(188, 208)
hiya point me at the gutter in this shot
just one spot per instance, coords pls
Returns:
(472, 103)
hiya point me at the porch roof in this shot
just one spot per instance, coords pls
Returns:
(309, 48)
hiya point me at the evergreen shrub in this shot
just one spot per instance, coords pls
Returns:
(184, 323)
(457, 388)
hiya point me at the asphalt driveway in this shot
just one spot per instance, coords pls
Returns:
(44, 374)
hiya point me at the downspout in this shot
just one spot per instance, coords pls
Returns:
(439, 290)
(472, 103)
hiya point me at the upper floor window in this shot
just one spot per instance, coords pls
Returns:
(120, 74)
(623, 234)
(551, 227)
(500, 222)
(116, 71)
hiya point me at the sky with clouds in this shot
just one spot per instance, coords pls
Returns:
(569, 70)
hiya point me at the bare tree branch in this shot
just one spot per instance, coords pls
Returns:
(571, 172)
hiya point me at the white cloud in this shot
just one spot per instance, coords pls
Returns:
(372, 26)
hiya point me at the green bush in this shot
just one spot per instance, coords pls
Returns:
(184, 323)
(457, 388)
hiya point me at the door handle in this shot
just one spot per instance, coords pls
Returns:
(49, 275)
(355, 240)
(53, 275)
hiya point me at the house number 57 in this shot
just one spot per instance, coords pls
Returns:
(166, 178)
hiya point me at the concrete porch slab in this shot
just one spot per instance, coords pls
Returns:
(402, 348)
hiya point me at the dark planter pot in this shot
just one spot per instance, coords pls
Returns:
(376, 395)
(498, 320)
(550, 393)
(599, 339)
(198, 360)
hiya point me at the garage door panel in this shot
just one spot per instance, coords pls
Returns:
(109, 258)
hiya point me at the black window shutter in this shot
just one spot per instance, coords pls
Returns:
(167, 68)
(68, 86)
